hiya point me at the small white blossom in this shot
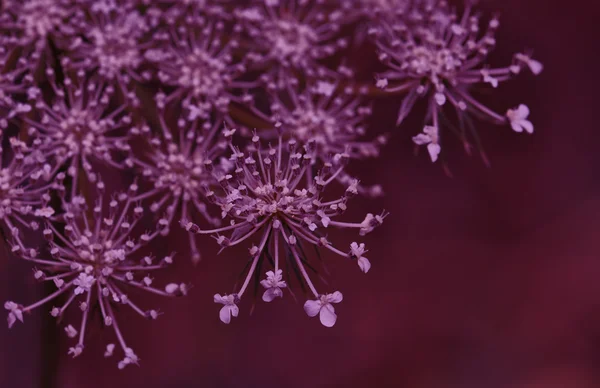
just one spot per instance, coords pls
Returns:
(45, 212)
(357, 251)
(431, 138)
(83, 283)
(71, 331)
(273, 284)
(110, 348)
(518, 119)
(229, 308)
(14, 313)
(323, 306)
(535, 66)
(76, 351)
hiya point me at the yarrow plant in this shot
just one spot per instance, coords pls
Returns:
(275, 195)
(146, 92)
(441, 60)
(95, 264)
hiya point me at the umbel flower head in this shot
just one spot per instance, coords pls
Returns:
(290, 36)
(30, 24)
(94, 263)
(112, 44)
(179, 164)
(274, 195)
(79, 126)
(329, 116)
(196, 59)
(440, 60)
(23, 187)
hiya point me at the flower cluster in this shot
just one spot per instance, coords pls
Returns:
(441, 60)
(95, 264)
(276, 194)
(116, 115)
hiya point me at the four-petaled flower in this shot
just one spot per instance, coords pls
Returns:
(229, 308)
(273, 284)
(356, 252)
(518, 119)
(15, 313)
(430, 137)
(323, 306)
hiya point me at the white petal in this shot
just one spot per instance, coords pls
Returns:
(225, 314)
(312, 307)
(522, 111)
(364, 264)
(434, 151)
(269, 295)
(536, 67)
(516, 126)
(217, 298)
(421, 139)
(328, 316)
(11, 320)
(527, 125)
(336, 297)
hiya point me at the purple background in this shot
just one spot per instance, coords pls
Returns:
(488, 279)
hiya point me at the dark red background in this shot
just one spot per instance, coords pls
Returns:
(489, 279)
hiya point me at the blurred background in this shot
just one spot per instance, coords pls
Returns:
(489, 279)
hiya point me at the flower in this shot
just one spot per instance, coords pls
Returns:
(15, 313)
(356, 252)
(287, 35)
(273, 284)
(94, 261)
(112, 44)
(323, 306)
(518, 119)
(229, 308)
(433, 53)
(31, 23)
(429, 137)
(197, 59)
(329, 117)
(79, 127)
(179, 165)
(273, 193)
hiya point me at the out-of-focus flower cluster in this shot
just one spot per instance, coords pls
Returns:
(232, 119)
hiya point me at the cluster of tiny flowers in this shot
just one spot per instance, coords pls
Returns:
(440, 60)
(276, 195)
(94, 263)
(144, 93)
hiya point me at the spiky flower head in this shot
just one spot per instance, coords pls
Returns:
(78, 126)
(275, 195)
(32, 23)
(293, 36)
(112, 44)
(196, 59)
(440, 60)
(326, 114)
(94, 261)
(179, 164)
